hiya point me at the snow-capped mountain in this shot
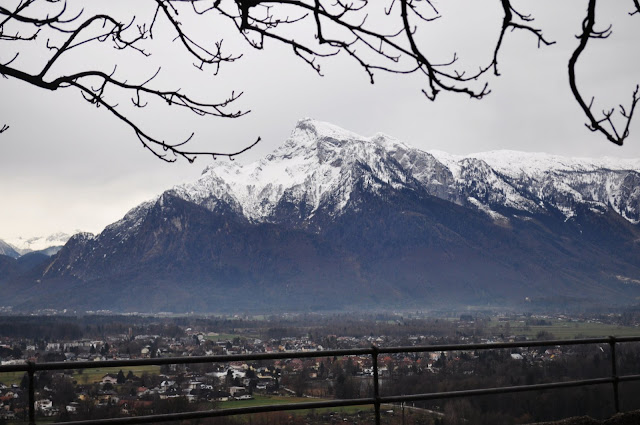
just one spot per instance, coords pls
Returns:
(8, 250)
(334, 220)
(39, 243)
(564, 183)
(319, 164)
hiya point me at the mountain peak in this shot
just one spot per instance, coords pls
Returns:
(8, 249)
(321, 164)
(317, 161)
(309, 129)
(311, 137)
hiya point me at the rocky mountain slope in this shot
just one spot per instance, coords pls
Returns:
(332, 220)
(8, 250)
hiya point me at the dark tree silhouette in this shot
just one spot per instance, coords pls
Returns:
(604, 125)
(379, 36)
(121, 379)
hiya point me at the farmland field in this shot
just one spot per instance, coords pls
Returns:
(222, 337)
(567, 329)
(9, 378)
(86, 376)
(90, 376)
(267, 400)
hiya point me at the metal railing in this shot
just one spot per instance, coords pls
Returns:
(377, 400)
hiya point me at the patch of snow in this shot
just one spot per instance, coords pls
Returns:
(316, 163)
(515, 163)
(628, 280)
(38, 243)
(528, 180)
(449, 160)
(496, 216)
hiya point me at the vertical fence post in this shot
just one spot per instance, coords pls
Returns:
(614, 372)
(376, 384)
(31, 369)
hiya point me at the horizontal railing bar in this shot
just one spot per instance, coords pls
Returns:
(625, 338)
(493, 391)
(628, 378)
(14, 368)
(309, 354)
(158, 361)
(225, 412)
(202, 359)
(349, 402)
(498, 345)
(372, 351)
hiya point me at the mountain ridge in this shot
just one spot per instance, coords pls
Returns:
(8, 250)
(334, 220)
(320, 150)
(48, 245)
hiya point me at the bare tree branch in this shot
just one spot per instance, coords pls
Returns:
(612, 132)
(4, 128)
(508, 22)
(313, 29)
(76, 31)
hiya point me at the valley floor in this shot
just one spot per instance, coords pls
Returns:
(625, 418)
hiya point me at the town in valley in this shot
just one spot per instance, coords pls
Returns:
(90, 393)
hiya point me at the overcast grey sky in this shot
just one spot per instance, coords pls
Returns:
(65, 165)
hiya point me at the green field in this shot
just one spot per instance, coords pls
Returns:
(9, 378)
(223, 337)
(568, 330)
(89, 376)
(260, 400)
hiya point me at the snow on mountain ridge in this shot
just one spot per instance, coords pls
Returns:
(596, 182)
(38, 243)
(560, 181)
(515, 162)
(313, 163)
(8, 249)
(131, 221)
(319, 164)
